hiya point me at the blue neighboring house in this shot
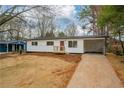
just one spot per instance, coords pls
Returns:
(12, 46)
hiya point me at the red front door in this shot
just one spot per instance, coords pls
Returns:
(61, 45)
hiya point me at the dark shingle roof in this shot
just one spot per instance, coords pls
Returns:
(74, 37)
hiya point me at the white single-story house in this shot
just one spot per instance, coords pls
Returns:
(78, 44)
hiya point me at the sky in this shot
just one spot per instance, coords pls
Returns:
(69, 14)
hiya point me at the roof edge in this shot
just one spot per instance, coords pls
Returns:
(75, 37)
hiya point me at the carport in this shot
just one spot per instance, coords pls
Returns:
(94, 45)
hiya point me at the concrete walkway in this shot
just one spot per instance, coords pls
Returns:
(94, 70)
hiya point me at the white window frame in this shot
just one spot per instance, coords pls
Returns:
(72, 46)
(50, 42)
(35, 43)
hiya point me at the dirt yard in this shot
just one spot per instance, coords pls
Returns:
(117, 64)
(37, 70)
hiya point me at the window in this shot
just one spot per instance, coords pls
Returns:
(50, 43)
(34, 43)
(72, 44)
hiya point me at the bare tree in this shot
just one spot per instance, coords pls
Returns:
(14, 19)
(19, 22)
(45, 24)
(71, 30)
(13, 12)
(14, 28)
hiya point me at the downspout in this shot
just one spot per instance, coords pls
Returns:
(105, 45)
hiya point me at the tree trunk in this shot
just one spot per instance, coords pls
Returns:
(121, 42)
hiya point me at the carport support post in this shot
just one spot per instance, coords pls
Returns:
(16, 48)
(104, 50)
(24, 48)
(105, 45)
(7, 48)
(20, 48)
(13, 48)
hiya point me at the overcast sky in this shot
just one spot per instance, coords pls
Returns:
(69, 14)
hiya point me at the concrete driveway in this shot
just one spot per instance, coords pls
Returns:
(94, 70)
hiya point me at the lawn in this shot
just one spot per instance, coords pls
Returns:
(117, 64)
(41, 70)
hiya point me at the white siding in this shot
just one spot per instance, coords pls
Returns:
(42, 47)
(78, 49)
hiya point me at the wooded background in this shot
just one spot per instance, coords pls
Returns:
(25, 22)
